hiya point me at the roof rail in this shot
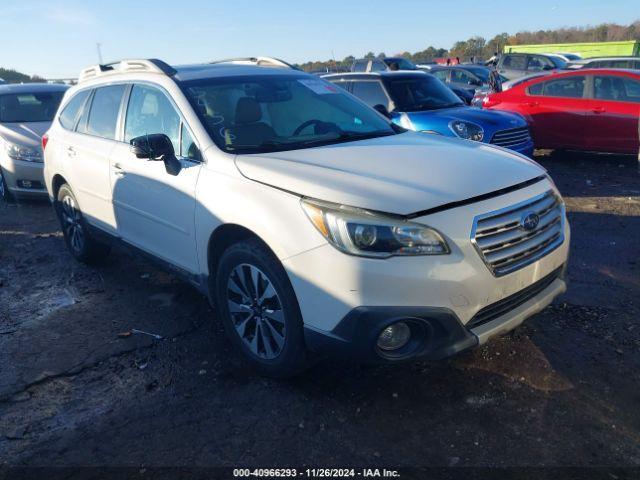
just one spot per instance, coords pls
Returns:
(150, 65)
(258, 61)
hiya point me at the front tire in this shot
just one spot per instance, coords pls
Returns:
(77, 236)
(259, 309)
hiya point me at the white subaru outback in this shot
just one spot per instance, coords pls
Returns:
(310, 221)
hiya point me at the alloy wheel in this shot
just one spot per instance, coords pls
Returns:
(71, 223)
(256, 311)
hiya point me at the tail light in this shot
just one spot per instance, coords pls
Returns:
(490, 101)
(45, 140)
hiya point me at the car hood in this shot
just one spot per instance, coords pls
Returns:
(28, 134)
(477, 115)
(399, 174)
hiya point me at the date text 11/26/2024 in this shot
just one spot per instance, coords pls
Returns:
(315, 473)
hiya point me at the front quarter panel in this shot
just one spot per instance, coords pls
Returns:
(225, 197)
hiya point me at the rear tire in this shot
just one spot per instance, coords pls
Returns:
(77, 235)
(259, 310)
(5, 194)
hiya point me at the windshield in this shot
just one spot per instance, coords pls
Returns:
(280, 112)
(410, 94)
(29, 107)
(403, 63)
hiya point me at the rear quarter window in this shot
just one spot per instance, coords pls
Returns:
(71, 111)
(535, 89)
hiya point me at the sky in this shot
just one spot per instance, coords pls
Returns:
(57, 38)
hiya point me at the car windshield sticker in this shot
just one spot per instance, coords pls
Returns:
(319, 87)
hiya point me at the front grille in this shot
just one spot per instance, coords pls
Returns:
(510, 239)
(505, 305)
(511, 138)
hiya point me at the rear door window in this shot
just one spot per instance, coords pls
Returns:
(442, 75)
(515, 62)
(538, 63)
(460, 76)
(378, 66)
(371, 93)
(72, 110)
(571, 87)
(105, 107)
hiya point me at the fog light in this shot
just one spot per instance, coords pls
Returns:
(395, 336)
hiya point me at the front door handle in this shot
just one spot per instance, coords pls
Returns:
(71, 152)
(118, 170)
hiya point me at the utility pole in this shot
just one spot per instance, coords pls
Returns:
(99, 53)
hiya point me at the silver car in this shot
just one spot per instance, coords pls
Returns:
(26, 112)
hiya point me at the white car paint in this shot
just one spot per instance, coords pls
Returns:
(174, 217)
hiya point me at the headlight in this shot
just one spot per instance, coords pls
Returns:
(367, 234)
(20, 152)
(467, 130)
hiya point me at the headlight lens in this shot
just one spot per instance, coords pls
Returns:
(360, 232)
(467, 130)
(20, 152)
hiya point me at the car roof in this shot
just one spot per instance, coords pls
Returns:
(383, 74)
(201, 71)
(582, 71)
(620, 57)
(31, 87)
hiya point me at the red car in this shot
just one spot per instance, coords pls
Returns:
(594, 110)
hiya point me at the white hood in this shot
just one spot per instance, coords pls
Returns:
(399, 174)
(27, 134)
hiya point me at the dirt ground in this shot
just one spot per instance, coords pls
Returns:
(562, 390)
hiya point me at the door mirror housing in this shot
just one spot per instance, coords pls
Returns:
(382, 109)
(156, 146)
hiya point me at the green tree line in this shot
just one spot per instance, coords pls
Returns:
(12, 76)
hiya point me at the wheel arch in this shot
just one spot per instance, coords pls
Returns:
(222, 238)
(57, 181)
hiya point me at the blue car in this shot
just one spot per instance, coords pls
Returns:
(419, 101)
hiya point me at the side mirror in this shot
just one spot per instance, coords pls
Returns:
(152, 147)
(382, 109)
(156, 146)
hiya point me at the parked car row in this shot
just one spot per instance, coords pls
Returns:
(312, 222)
(420, 102)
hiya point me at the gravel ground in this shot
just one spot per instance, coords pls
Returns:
(76, 389)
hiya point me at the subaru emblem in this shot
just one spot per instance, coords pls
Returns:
(529, 221)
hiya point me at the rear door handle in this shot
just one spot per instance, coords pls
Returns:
(598, 110)
(71, 152)
(118, 170)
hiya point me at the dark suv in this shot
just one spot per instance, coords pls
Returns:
(515, 65)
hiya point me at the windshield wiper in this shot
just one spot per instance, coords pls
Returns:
(346, 135)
